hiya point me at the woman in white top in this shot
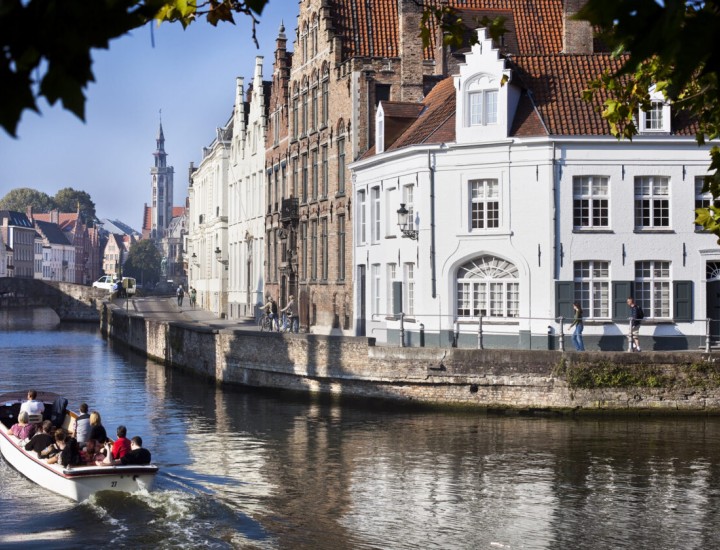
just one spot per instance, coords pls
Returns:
(31, 406)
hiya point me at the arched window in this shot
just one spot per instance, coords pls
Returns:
(325, 95)
(481, 100)
(487, 286)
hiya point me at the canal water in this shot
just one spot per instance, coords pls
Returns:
(242, 469)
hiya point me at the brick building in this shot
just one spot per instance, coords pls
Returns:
(347, 57)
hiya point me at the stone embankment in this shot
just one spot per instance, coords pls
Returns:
(511, 380)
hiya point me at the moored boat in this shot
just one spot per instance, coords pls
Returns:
(76, 482)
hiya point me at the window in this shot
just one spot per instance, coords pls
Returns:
(313, 249)
(409, 299)
(375, 213)
(314, 113)
(295, 103)
(488, 286)
(325, 172)
(592, 288)
(304, 248)
(314, 182)
(375, 288)
(325, 96)
(304, 177)
(304, 126)
(590, 202)
(295, 177)
(390, 295)
(362, 218)
(654, 117)
(484, 204)
(703, 200)
(324, 249)
(408, 193)
(276, 127)
(382, 93)
(283, 170)
(483, 107)
(652, 203)
(341, 165)
(652, 288)
(341, 247)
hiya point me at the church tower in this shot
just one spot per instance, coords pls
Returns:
(162, 189)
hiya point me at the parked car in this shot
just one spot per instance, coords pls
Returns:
(107, 282)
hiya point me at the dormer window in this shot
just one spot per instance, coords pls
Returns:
(657, 118)
(482, 101)
(483, 107)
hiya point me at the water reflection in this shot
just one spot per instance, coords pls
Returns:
(242, 469)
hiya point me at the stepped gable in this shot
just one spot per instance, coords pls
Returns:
(436, 122)
(555, 106)
(369, 28)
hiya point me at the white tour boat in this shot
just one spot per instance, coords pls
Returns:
(76, 482)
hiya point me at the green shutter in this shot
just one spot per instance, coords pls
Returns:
(564, 297)
(621, 291)
(682, 293)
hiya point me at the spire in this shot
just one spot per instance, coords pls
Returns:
(159, 154)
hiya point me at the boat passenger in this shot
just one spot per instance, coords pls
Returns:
(23, 429)
(121, 446)
(52, 451)
(82, 425)
(97, 430)
(32, 405)
(92, 452)
(136, 456)
(42, 439)
(70, 455)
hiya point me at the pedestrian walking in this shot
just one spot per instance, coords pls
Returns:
(180, 292)
(636, 315)
(578, 324)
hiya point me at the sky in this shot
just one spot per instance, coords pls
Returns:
(187, 78)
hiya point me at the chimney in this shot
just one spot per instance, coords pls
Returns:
(410, 50)
(29, 214)
(577, 35)
(55, 216)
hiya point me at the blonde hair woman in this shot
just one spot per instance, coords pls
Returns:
(97, 431)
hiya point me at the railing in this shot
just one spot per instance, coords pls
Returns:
(555, 329)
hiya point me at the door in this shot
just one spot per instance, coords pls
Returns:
(713, 308)
(361, 299)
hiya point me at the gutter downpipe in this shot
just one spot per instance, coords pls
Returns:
(433, 277)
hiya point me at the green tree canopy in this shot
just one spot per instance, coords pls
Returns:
(46, 44)
(143, 262)
(22, 197)
(68, 199)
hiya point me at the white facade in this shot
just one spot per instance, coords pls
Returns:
(207, 225)
(246, 216)
(512, 230)
(3, 258)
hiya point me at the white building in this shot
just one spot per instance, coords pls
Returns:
(246, 216)
(3, 257)
(56, 253)
(208, 223)
(519, 203)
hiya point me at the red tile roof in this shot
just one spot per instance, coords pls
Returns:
(369, 28)
(178, 211)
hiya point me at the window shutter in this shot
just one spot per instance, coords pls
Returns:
(682, 292)
(621, 291)
(564, 299)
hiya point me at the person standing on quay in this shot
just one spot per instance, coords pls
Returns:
(636, 314)
(578, 324)
(180, 292)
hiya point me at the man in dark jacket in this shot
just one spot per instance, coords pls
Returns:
(42, 439)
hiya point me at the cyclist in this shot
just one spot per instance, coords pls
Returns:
(271, 310)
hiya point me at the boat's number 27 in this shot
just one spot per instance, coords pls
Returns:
(113, 484)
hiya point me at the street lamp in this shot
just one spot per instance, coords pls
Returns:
(218, 256)
(403, 223)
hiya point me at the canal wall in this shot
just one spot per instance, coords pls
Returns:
(491, 379)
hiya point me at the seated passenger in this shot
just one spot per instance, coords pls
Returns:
(22, 430)
(136, 456)
(122, 444)
(32, 406)
(92, 452)
(42, 439)
(52, 451)
(70, 454)
(97, 430)
(82, 425)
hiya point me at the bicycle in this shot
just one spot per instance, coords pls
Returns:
(265, 323)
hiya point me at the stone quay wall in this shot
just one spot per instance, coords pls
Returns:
(509, 380)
